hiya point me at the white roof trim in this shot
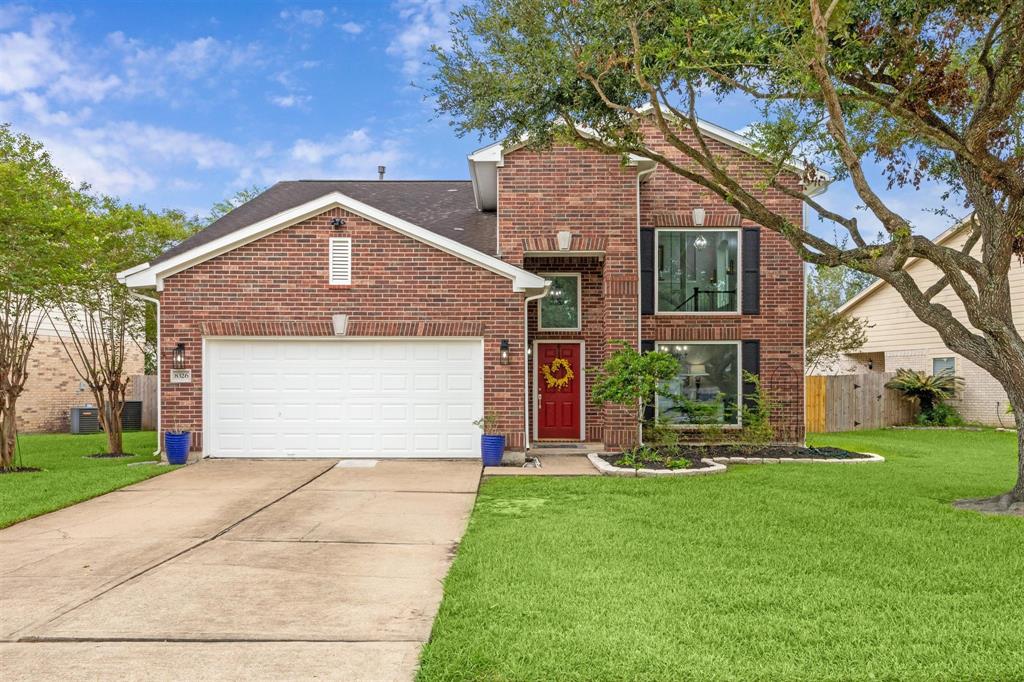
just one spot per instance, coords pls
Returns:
(878, 284)
(145, 275)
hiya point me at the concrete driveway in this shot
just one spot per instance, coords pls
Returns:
(237, 569)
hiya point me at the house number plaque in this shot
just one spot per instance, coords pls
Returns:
(181, 376)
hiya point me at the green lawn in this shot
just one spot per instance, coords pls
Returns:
(67, 477)
(766, 572)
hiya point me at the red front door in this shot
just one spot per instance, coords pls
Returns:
(558, 406)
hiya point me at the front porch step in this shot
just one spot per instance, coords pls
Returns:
(544, 449)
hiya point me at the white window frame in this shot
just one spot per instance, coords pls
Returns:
(739, 271)
(579, 304)
(739, 381)
(331, 278)
(944, 357)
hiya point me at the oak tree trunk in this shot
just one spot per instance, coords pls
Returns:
(1016, 495)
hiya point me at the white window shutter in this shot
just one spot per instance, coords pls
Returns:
(341, 260)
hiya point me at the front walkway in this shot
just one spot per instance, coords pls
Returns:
(237, 570)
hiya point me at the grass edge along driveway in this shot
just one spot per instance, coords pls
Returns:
(67, 476)
(787, 572)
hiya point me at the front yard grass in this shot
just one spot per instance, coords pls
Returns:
(779, 572)
(67, 477)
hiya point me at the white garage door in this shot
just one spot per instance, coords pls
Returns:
(343, 398)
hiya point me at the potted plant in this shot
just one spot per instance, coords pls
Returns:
(177, 443)
(492, 445)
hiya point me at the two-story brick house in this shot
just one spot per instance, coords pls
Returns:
(381, 318)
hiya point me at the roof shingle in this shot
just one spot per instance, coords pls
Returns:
(446, 207)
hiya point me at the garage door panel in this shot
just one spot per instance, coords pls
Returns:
(344, 398)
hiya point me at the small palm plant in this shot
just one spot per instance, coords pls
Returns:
(929, 389)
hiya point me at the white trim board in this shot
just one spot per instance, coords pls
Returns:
(147, 276)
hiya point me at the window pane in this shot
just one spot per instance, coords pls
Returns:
(697, 271)
(560, 309)
(707, 383)
(939, 364)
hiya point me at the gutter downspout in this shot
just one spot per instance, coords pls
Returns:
(528, 413)
(641, 174)
(159, 375)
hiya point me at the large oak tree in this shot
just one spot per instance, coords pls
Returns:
(929, 89)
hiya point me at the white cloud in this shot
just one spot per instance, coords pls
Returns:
(351, 27)
(424, 23)
(122, 157)
(11, 15)
(30, 60)
(289, 101)
(309, 17)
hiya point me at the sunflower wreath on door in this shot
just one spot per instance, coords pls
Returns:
(558, 374)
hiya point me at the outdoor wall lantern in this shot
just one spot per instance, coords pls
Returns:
(179, 356)
(698, 216)
(503, 352)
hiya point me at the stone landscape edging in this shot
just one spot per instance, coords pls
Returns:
(612, 470)
(718, 464)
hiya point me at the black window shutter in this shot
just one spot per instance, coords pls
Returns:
(751, 271)
(647, 346)
(752, 364)
(646, 271)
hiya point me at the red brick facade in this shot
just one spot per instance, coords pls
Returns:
(278, 286)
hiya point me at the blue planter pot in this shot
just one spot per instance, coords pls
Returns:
(177, 446)
(492, 448)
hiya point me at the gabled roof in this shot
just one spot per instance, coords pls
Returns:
(442, 206)
(880, 284)
(289, 203)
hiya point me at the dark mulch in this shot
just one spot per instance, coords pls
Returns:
(778, 452)
(19, 470)
(110, 455)
(694, 454)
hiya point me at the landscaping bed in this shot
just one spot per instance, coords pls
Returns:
(705, 459)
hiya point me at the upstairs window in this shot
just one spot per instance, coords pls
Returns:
(340, 258)
(560, 309)
(698, 271)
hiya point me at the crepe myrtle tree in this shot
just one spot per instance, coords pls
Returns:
(98, 320)
(38, 212)
(633, 379)
(930, 90)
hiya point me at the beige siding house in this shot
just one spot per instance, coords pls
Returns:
(896, 338)
(53, 387)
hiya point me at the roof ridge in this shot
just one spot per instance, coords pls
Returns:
(368, 180)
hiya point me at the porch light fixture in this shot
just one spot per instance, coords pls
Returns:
(698, 216)
(179, 356)
(700, 243)
(503, 352)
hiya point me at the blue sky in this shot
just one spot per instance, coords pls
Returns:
(177, 105)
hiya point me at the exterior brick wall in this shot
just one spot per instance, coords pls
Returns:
(53, 387)
(668, 199)
(982, 400)
(595, 198)
(400, 287)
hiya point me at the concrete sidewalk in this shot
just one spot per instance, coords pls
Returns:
(237, 570)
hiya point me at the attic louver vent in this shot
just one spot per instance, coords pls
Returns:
(341, 260)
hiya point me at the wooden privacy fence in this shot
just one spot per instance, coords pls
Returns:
(855, 401)
(143, 387)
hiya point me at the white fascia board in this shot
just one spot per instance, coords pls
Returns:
(154, 275)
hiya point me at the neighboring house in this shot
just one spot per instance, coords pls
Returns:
(458, 296)
(896, 338)
(53, 386)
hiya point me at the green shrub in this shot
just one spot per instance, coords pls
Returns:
(928, 390)
(940, 414)
(757, 414)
